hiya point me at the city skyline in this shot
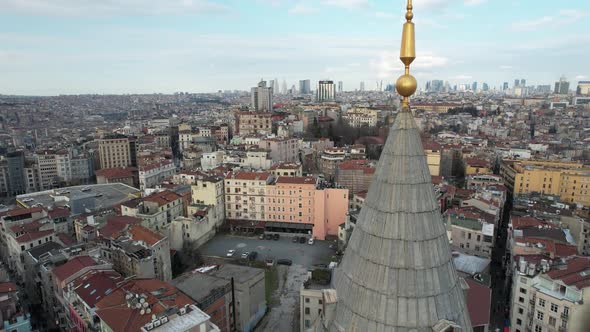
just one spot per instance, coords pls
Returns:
(77, 47)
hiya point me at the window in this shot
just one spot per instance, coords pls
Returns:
(541, 303)
(522, 290)
(307, 300)
(319, 301)
(538, 328)
(566, 311)
(552, 321)
(540, 315)
(468, 236)
(478, 238)
(307, 323)
(307, 311)
(521, 299)
(518, 321)
(554, 307)
(520, 311)
(523, 280)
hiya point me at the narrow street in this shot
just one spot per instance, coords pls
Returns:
(500, 287)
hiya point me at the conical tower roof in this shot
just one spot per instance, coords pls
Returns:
(397, 272)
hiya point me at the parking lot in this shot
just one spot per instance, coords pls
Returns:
(300, 253)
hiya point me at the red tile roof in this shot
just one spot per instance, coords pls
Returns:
(162, 197)
(479, 299)
(66, 239)
(527, 221)
(32, 236)
(296, 180)
(94, 285)
(140, 233)
(72, 266)
(20, 212)
(155, 165)
(116, 225)
(572, 274)
(116, 173)
(285, 166)
(258, 176)
(431, 145)
(114, 311)
(59, 212)
(357, 164)
(7, 287)
(476, 162)
(28, 227)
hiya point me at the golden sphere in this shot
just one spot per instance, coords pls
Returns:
(406, 85)
(409, 16)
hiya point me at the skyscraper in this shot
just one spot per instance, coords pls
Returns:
(326, 91)
(362, 86)
(505, 86)
(340, 86)
(474, 86)
(275, 86)
(117, 151)
(397, 273)
(522, 82)
(261, 96)
(516, 82)
(485, 87)
(437, 85)
(304, 87)
(284, 87)
(562, 87)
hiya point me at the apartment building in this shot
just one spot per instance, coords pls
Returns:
(570, 181)
(286, 169)
(285, 204)
(152, 174)
(281, 149)
(209, 190)
(550, 297)
(150, 305)
(117, 151)
(252, 123)
(470, 233)
(362, 116)
(156, 210)
(355, 175)
(433, 152)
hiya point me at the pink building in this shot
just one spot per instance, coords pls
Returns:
(290, 204)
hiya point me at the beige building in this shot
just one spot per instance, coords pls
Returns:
(208, 190)
(433, 152)
(281, 149)
(285, 204)
(156, 210)
(117, 151)
(570, 181)
(474, 236)
(550, 298)
(313, 304)
(362, 116)
(287, 169)
(252, 123)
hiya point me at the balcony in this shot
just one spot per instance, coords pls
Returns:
(564, 316)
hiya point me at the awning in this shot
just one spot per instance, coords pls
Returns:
(290, 225)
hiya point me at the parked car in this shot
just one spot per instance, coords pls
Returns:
(302, 239)
(230, 253)
(295, 239)
(253, 255)
(276, 237)
(269, 262)
(26, 200)
(86, 189)
(98, 195)
(261, 236)
(268, 236)
(245, 255)
(284, 261)
(310, 242)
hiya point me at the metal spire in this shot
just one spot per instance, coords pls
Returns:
(406, 84)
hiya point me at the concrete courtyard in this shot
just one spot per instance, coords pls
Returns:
(300, 253)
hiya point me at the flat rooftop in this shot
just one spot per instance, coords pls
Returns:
(98, 197)
(186, 322)
(199, 285)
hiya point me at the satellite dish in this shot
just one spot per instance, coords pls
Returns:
(142, 312)
(138, 305)
(148, 310)
(145, 305)
(153, 317)
(142, 300)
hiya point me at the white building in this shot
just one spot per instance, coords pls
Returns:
(261, 96)
(152, 175)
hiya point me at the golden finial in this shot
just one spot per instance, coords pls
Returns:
(406, 84)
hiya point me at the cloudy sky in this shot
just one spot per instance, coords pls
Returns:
(141, 46)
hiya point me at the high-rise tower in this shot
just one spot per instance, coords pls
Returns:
(397, 272)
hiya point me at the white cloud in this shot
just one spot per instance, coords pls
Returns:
(385, 15)
(388, 65)
(303, 9)
(462, 77)
(565, 16)
(474, 2)
(505, 67)
(111, 7)
(581, 77)
(440, 4)
(348, 4)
